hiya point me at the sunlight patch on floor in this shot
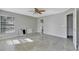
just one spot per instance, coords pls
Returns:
(14, 42)
(9, 42)
(28, 40)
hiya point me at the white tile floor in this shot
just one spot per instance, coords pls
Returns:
(35, 42)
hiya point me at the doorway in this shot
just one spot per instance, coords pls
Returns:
(70, 26)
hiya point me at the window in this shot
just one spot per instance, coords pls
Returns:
(6, 24)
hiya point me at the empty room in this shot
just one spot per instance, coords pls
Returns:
(38, 29)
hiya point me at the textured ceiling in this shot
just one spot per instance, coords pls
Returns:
(30, 11)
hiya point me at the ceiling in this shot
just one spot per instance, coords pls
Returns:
(29, 11)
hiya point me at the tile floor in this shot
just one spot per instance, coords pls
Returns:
(36, 42)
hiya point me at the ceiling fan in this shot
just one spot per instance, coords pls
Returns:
(38, 10)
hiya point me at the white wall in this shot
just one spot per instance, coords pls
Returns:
(57, 25)
(21, 21)
(54, 25)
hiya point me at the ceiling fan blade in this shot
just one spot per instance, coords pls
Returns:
(42, 10)
(36, 9)
(39, 12)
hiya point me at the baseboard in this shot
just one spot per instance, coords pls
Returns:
(55, 35)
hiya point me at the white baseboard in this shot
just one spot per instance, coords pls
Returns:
(56, 35)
